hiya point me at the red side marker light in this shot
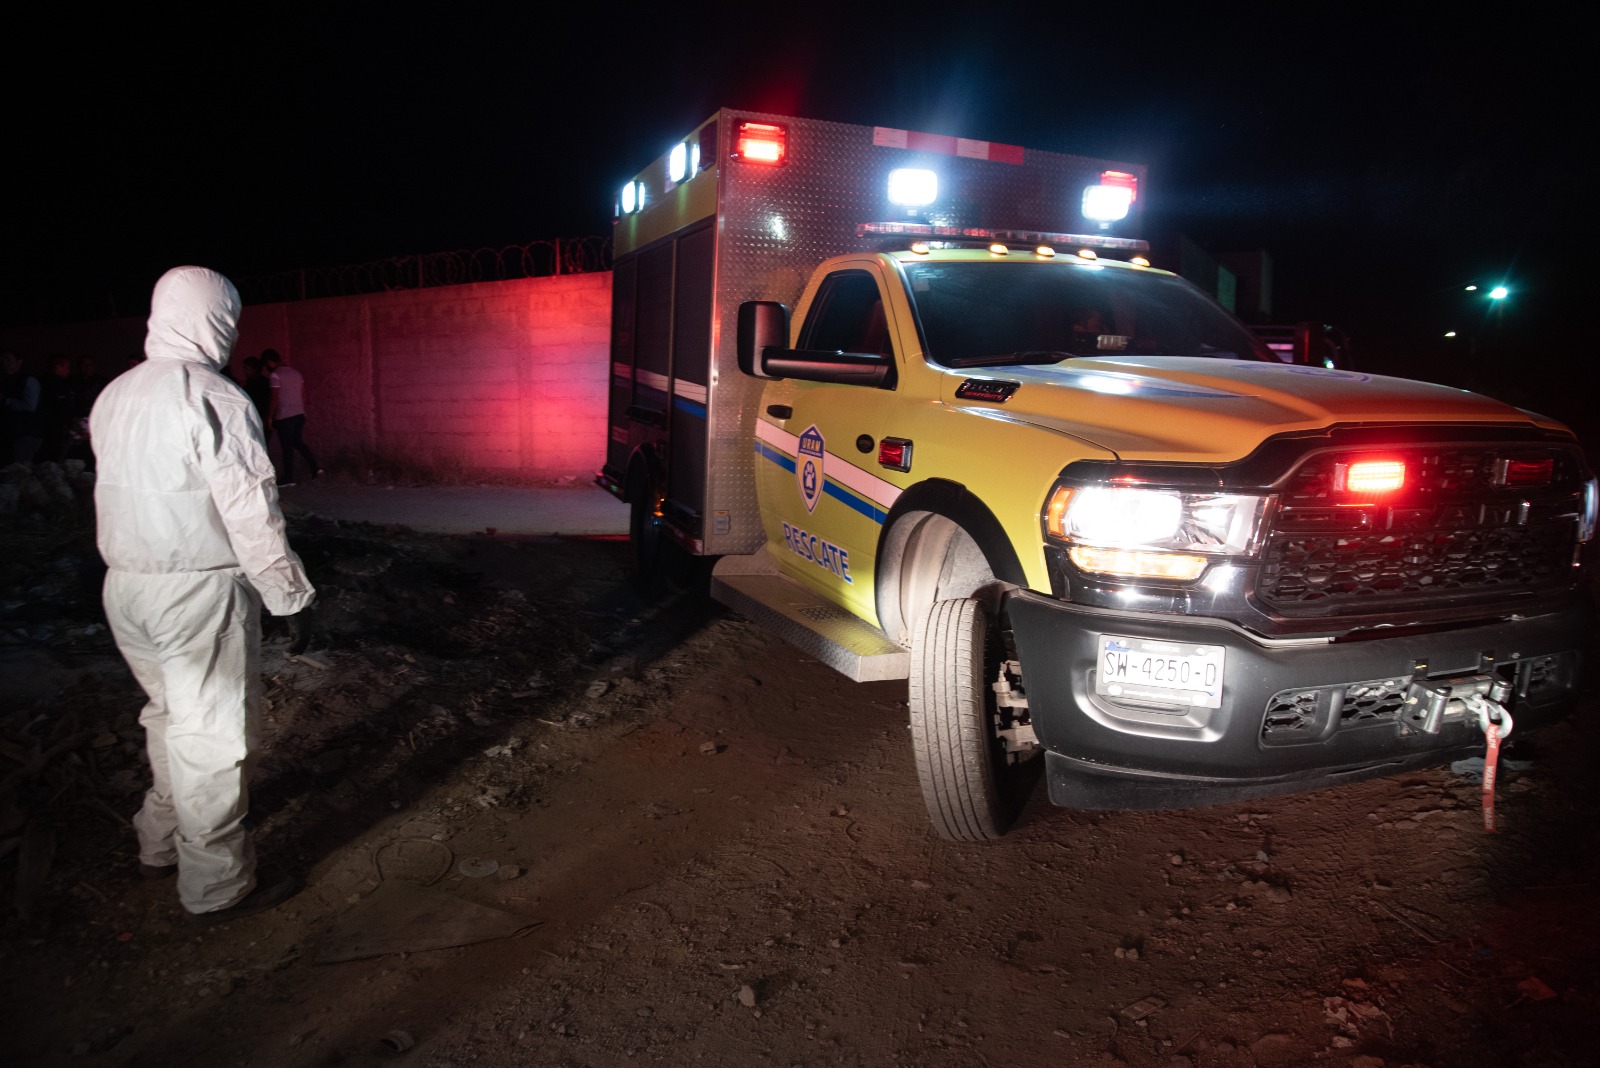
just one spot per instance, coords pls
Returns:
(761, 142)
(895, 454)
(1369, 476)
(1527, 472)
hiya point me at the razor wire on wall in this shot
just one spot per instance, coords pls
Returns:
(43, 299)
(536, 259)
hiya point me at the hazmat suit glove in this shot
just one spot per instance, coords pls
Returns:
(299, 632)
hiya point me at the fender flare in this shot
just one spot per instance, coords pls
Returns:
(959, 506)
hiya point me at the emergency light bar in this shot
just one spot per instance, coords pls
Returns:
(986, 236)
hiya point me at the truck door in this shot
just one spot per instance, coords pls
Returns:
(823, 501)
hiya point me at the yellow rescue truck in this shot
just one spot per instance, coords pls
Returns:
(939, 419)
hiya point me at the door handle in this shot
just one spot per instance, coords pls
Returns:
(779, 411)
(647, 416)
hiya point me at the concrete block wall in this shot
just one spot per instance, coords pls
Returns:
(434, 407)
(564, 418)
(497, 379)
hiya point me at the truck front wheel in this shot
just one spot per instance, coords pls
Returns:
(972, 790)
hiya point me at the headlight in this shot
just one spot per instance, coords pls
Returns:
(1152, 533)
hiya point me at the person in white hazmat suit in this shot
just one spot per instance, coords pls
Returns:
(190, 528)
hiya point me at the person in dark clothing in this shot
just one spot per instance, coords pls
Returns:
(90, 383)
(58, 410)
(259, 388)
(19, 401)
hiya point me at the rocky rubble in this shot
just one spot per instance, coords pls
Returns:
(44, 487)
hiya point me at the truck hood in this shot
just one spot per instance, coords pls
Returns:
(1200, 410)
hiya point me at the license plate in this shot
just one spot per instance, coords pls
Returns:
(1170, 672)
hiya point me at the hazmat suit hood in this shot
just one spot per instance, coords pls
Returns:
(194, 315)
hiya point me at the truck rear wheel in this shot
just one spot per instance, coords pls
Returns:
(660, 564)
(644, 529)
(972, 790)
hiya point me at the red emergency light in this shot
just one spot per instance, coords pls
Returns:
(1122, 180)
(1369, 476)
(1526, 472)
(760, 142)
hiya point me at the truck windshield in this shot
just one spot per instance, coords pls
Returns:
(989, 313)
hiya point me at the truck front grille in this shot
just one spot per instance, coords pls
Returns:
(1453, 534)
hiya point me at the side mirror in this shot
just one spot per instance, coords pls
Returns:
(763, 324)
(842, 368)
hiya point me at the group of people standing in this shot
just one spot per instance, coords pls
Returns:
(45, 419)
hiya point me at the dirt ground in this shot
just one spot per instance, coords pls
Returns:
(683, 843)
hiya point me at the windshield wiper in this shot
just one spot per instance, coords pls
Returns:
(1009, 359)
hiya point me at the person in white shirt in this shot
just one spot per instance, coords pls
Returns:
(288, 413)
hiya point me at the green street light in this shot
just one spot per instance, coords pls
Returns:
(1499, 293)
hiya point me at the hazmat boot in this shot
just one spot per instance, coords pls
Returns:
(268, 894)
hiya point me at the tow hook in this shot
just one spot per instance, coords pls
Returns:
(1478, 699)
(1431, 703)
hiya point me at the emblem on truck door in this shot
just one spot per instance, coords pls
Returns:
(809, 450)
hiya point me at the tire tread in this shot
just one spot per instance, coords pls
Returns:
(948, 729)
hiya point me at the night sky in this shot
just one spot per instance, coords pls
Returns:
(1383, 160)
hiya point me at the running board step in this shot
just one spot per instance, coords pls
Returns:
(752, 586)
